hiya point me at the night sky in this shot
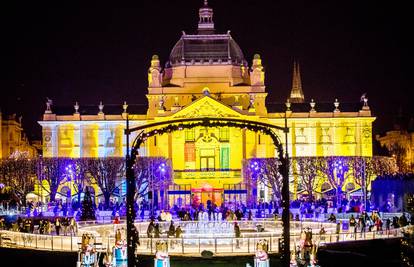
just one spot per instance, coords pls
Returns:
(102, 52)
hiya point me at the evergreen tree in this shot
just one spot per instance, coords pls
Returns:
(88, 211)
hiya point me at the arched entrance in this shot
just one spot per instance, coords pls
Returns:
(169, 126)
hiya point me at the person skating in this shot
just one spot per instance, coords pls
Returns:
(178, 232)
(352, 223)
(237, 234)
(171, 230)
(57, 226)
(332, 218)
(73, 227)
(135, 238)
(338, 230)
(171, 233)
(157, 230)
(150, 232)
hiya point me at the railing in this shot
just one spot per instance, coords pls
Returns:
(248, 228)
(188, 245)
(41, 242)
(183, 246)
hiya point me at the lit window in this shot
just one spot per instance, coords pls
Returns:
(189, 135)
(224, 134)
(207, 159)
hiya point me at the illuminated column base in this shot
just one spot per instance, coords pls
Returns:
(162, 262)
(120, 254)
(261, 263)
(88, 259)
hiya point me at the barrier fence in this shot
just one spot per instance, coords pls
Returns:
(188, 245)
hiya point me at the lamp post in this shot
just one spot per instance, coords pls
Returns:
(161, 170)
(340, 170)
(364, 186)
(130, 199)
(69, 175)
(254, 167)
(151, 182)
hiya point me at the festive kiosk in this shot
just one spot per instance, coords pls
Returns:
(120, 248)
(161, 256)
(88, 253)
(261, 258)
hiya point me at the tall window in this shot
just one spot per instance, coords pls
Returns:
(189, 156)
(207, 159)
(189, 150)
(224, 134)
(189, 135)
(224, 158)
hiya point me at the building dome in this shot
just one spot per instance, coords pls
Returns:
(206, 49)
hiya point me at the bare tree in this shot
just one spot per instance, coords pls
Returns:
(266, 172)
(19, 175)
(336, 170)
(365, 169)
(52, 170)
(106, 172)
(151, 173)
(79, 175)
(307, 169)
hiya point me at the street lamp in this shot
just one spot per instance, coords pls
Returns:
(159, 178)
(254, 167)
(340, 170)
(161, 168)
(69, 175)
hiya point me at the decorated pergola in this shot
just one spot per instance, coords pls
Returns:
(169, 126)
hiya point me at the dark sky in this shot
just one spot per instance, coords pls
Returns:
(102, 52)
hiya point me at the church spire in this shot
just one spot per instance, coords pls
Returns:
(296, 95)
(205, 23)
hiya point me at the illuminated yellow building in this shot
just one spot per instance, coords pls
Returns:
(13, 141)
(207, 75)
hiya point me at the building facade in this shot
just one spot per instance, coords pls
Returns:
(208, 75)
(13, 140)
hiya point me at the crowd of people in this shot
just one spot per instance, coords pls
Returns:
(234, 210)
(363, 222)
(41, 225)
(154, 231)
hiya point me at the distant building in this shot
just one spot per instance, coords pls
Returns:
(13, 139)
(400, 142)
(208, 75)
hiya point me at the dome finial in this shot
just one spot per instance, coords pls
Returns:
(205, 23)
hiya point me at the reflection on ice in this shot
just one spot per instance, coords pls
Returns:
(205, 229)
(209, 229)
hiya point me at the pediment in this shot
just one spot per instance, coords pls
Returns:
(206, 107)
